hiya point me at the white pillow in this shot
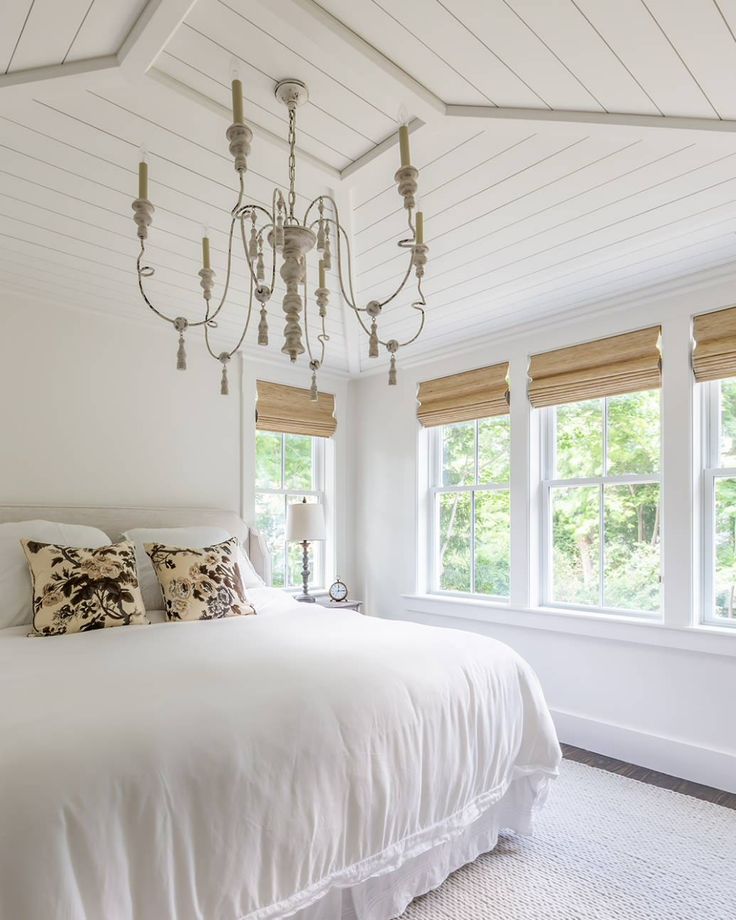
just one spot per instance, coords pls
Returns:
(188, 537)
(16, 601)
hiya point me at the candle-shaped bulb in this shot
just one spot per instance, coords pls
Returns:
(143, 174)
(404, 146)
(322, 280)
(420, 227)
(237, 89)
(205, 249)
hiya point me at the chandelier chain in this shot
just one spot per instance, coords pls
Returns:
(292, 160)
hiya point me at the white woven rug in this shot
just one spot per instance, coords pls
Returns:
(606, 848)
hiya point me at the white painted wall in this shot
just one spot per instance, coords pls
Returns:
(658, 695)
(93, 411)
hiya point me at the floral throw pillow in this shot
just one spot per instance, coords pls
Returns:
(77, 589)
(200, 584)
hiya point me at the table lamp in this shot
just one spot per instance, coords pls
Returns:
(305, 523)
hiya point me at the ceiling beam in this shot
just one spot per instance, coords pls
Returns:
(150, 35)
(58, 78)
(614, 120)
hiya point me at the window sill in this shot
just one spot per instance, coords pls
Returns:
(712, 640)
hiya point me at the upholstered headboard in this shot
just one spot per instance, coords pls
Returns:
(114, 521)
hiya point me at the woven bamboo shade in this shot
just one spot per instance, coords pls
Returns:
(714, 355)
(607, 367)
(461, 397)
(290, 410)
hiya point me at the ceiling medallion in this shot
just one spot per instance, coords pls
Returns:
(277, 234)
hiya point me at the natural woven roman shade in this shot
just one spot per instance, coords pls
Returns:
(714, 355)
(607, 367)
(462, 397)
(290, 410)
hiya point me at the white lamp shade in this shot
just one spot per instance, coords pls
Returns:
(305, 521)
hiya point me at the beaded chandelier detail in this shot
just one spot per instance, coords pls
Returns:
(277, 234)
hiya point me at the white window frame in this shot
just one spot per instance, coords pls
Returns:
(711, 472)
(318, 579)
(548, 444)
(436, 489)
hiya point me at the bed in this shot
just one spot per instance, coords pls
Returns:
(304, 762)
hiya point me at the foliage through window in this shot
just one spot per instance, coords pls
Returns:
(720, 502)
(471, 507)
(289, 467)
(602, 504)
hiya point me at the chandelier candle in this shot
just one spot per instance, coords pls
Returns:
(279, 246)
(237, 89)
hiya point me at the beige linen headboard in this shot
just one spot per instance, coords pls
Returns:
(114, 521)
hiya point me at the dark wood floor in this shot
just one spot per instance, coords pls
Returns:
(663, 780)
(643, 775)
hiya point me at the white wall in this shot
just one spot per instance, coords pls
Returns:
(660, 695)
(93, 411)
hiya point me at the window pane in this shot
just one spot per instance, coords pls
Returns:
(458, 454)
(494, 449)
(298, 462)
(632, 549)
(633, 433)
(725, 585)
(728, 422)
(576, 545)
(454, 548)
(268, 459)
(294, 554)
(270, 521)
(492, 543)
(579, 441)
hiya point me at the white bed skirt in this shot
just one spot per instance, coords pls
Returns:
(387, 895)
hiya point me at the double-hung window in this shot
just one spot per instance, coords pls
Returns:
(293, 432)
(602, 504)
(601, 488)
(289, 467)
(469, 441)
(470, 507)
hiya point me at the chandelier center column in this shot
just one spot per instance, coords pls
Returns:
(298, 241)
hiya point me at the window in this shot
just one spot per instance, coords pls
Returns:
(470, 466)
(719, 580)
(601, 546)
(289, 467)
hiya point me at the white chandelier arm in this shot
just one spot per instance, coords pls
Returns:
(240, 341)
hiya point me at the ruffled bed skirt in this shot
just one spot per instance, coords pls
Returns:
(387, 893)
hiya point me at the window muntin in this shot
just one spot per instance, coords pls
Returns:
(289, 467)
(719, 582)
(471, 518)
(602, 541)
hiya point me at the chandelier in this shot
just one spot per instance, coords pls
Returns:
(278, 235)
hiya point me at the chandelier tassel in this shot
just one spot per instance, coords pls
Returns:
(373, 341)
(224, 385)
(327, 254)
(263, 328)
(313, 391)
(180, 324)
(260, 272)
(393, 347)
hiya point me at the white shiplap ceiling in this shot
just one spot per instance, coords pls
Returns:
(571, 151)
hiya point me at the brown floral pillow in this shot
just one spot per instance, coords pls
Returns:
(77, 589)
(200, 584)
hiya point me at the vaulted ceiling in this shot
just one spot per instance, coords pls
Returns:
(571, 152)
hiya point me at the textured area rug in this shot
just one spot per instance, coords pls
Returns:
(605, 848)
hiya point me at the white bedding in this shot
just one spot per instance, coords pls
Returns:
(244, 768)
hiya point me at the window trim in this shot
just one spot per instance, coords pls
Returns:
(435, 476)
(319, 479)
(710, 473)
(547, 482)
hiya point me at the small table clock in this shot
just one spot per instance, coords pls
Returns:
(338, 591)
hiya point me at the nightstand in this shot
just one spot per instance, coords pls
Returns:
(340, 605)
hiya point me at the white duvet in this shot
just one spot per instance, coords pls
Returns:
(241, 768)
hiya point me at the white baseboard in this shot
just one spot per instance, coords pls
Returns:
(667, 755)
